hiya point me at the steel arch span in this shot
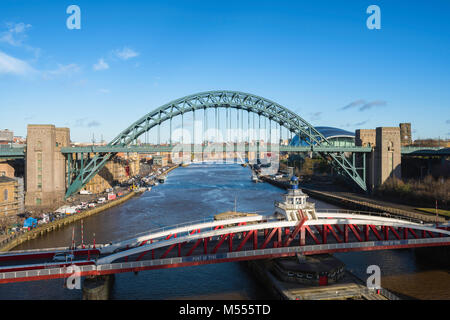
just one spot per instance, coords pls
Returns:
(217, 99)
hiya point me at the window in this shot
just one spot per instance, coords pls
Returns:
(38, 201)
(5, 195)
(39, 164)
(2, 173)
(391, 146)
(39, 182)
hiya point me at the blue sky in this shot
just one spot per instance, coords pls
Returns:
(316, 58)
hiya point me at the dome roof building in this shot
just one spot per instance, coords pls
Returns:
(338, 137)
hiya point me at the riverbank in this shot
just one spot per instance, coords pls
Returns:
(358, 202)
(12, 242)
(49, 227)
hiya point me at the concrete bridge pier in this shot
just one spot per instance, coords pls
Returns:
(98, 287)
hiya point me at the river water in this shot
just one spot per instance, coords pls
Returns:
(201, 191)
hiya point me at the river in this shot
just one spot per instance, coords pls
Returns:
(200, 191)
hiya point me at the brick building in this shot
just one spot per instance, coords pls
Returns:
(117, 170)
(9, 198)
(6, 169)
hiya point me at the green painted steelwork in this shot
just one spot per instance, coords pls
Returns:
(434, 151)
(19, 152)
(10, 153)
(214, 99)
(200, 148)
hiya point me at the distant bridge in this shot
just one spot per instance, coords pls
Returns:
(19, 152)
(236, 239)
(83, 163)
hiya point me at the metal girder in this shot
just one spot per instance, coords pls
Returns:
(11, 153)
(213, 99)
(169, 148)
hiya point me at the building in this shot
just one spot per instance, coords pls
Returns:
(160, 160)
(117, 170)
(9, 196)
(336, 136)
(405, 134)
(6, 169)
(45, 168)
(365, 137)
(6, 136)
(385, 159)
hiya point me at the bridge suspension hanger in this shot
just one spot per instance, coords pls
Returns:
(78, 177)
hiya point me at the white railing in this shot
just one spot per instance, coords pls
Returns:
(228, 255)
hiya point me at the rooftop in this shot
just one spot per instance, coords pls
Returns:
(329, 133)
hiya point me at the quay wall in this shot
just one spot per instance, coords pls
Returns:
(9, 244)
(49, 227)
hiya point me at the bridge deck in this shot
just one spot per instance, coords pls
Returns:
(229, 240)
(19, 152)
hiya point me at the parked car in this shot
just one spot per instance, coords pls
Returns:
(101, 200)
(63, 257)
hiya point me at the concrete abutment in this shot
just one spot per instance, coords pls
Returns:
(98, 287)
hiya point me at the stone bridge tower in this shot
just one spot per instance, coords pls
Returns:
(45, 166)
(385, 159)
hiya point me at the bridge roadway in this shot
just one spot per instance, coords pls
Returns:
(216, 241)
(19, 152)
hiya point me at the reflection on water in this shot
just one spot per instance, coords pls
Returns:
(197, 192)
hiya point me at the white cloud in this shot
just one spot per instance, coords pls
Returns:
(13, 65)
(15, 33)
(86, 123)
(125, 53)
(101, 65)
(18, 27)
(104, 91)
(62, 70)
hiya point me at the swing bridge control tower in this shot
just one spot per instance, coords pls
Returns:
(295, 206)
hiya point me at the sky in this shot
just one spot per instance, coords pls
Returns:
(316, 58)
